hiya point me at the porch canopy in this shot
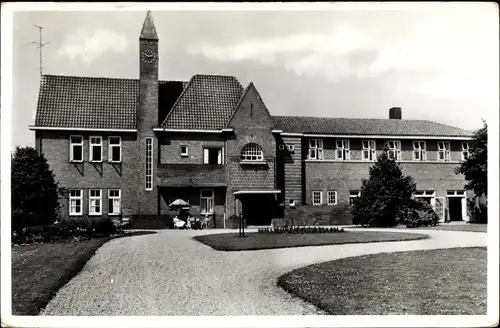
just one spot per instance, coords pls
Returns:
(252, 192)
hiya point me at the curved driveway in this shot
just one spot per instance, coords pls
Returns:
(168, 273)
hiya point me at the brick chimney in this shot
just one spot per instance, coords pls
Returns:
(395, 113)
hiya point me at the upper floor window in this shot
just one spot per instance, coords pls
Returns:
(394, 150)
(369, 152)
(96, 149)
(115, 149)
(331, 198)
(212, 156)
(419, 151)
(343, 150)
(184, 151)
(443, 151)
(316, 149)
(465, 150)
(76, 149)
(317, 198)
(252, 152)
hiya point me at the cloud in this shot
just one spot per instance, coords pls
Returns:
(86, 46)
(443, 58)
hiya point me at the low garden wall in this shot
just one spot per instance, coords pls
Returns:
(152, 221)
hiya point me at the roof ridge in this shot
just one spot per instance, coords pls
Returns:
(217, 75)
(90, 77)
(355, 118)
(177, 101)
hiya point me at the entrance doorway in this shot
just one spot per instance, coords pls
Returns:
(455, 208)
(258, 209)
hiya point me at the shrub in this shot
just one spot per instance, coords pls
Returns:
(385, 196)
(299, 230)
(420, 214)
(34, 190)
(104, 226)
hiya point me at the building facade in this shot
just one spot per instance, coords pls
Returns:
(128, 148)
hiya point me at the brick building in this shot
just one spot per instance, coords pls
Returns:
(130, 147)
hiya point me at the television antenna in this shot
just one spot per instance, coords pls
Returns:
(40, 46)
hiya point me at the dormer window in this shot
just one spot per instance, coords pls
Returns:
(343, 152)
(465, 150)
(252, 153)
(443, 151)
(419, 151)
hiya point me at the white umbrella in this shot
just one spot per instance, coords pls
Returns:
(178, 203)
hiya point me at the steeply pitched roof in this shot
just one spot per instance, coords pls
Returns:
(206, 103)
(148, 28)
(90, 102)
(360, 126)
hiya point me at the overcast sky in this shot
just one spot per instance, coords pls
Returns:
(437, 64)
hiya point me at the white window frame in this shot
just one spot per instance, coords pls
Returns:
(421, 150)
(342, 149)
(443, 150)
(95, 198)
(91, 149)
(208, 199)
(149, 164)
(354, 194)
(320, 197)
(111, 210)
(328, 194)
(251, 150)
(75, 198)
(465, 150)
(370, 150)
(111, 146)
(396, 149)
(315, 149)
(71, 151)
(186, 153)
(220, 157)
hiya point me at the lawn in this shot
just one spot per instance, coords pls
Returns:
(256, 241)
(473, 227)
(39, 270)
(430, 282)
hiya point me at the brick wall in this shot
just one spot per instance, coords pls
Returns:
(252, 124)
(319, 215)
(346, 176)
(171, 147)
(191, 174)
(292, 169)
(55, 147)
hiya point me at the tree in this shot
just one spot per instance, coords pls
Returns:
(475, 170)
(475, 167)
(34, 190)
(385, 195)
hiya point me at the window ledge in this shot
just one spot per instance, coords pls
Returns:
(253, 162)
(115, 162)
(73, 161)
(95, 162)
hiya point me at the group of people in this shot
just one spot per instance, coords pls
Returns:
(185, 221)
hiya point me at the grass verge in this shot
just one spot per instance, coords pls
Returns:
(40, 270)
(431, 282)
(256, 241)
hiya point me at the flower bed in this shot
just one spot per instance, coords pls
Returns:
(300, 230)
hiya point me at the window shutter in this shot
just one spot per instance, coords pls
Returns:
(219, 156)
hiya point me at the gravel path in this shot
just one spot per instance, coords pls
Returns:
(168, 273)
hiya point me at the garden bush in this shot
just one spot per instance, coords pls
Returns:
(299, 230)
(420, 214)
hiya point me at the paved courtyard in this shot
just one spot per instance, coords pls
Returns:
(168, 273)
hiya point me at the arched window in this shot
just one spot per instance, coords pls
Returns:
(252, 152)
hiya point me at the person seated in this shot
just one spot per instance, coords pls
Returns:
(178, 224)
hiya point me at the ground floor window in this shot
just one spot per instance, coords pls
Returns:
(317, 197)
(426, 195)
(331, 197)
(207, 201)
(114, 201)
(95, 201)
(75, 202)
(353, 194)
